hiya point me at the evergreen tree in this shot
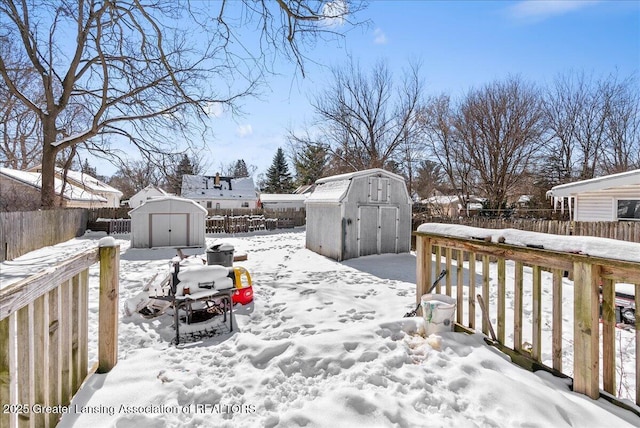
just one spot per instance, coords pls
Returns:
(240, 169)
(310, 163)
(279, 178)
(174, 180)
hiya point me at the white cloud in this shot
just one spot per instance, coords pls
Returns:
(542, 9)
(335, 11)
(379, 38)
(214, 109)
(244, 130)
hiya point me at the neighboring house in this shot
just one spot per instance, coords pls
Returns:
(216, 192)
(609, 198)
(282, 201)
(149, 192)
(23, 188)
(89, 183)
(358, 214)
(452, 206)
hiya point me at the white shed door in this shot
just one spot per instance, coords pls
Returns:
(377, 230)
(167, 230)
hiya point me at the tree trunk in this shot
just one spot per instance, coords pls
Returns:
(48, 193)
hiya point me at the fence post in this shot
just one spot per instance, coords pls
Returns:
(108, 305)
(586, 361)
(5, 370)
(423, 268)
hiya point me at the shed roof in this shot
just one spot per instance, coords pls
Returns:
(629, 178)
(365, 172)
(34, 179)
(334, 188)
(149, 204)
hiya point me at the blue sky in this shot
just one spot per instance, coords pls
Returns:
(461, 45)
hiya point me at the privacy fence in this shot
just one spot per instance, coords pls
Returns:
(544, 271)
(21, 232)
(622, 230)
(44, 337)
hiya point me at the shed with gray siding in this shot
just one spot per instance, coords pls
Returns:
(609, 198)
(358, 214)
(168, 222)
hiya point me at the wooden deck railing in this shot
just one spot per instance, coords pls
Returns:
(44, 336)
(589, 273)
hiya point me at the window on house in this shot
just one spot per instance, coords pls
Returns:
(628, 209)
(217, 205)
(245, 205)
(208, 204)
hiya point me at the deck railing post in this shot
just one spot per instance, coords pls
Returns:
(423, 268)
(108, 306)
(586, 362)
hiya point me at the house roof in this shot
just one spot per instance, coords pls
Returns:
(629, 178)
(81, 179)
(204, 187)
(34, 179)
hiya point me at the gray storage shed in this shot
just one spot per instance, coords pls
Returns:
(168, 222)
(358, 214)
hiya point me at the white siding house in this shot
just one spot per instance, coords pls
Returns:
(358, 214)
(149, 192)
(218, 192)
(168, 222)
(279, 201)
(19, 185)
(608, 198)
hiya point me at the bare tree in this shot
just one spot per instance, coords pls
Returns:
(500, 128)
(364, 118)
(445, 147)
(114, 71)
(622, 148)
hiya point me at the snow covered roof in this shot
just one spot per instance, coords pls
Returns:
(159, 200)
(82, 180)
(329, 191)
(350, 175)
(34, 179)
(204, 187)
(629, 178)
(334, 188)
(282, 197)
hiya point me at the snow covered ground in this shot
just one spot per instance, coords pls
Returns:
(324, 344)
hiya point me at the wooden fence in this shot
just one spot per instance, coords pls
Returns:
(588, 274)
(44, 336)
(622, 230)
(24, 231)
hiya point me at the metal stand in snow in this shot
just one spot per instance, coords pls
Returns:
(415, 311)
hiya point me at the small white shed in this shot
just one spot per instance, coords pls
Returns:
(168, 222)
(358, 214)
(608, 198)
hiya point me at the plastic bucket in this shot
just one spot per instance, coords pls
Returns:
(438, 311)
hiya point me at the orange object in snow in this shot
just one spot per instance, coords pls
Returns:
(244, 291)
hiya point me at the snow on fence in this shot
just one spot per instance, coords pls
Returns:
(588, 272)
(24, 231)
(44, 336)
(622, 230)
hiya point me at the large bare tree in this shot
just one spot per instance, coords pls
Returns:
(147, 71)
(366, 119)
(500, 128)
